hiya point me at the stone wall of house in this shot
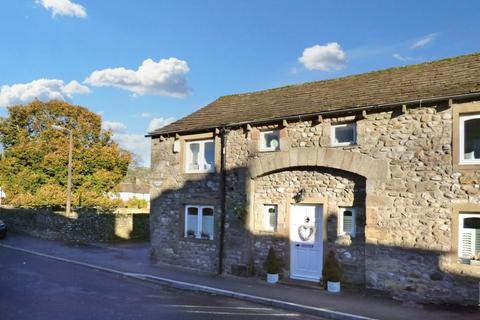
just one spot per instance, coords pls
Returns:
(171, 191)
(408, 216)
(238, 239)
(78, 226)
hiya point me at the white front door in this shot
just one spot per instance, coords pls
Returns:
(306, 242)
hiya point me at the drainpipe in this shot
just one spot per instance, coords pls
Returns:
(223, 202)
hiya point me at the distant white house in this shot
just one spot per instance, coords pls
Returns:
(129, 191)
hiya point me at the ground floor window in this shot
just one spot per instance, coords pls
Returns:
(346, 221)
(270, 216)
(199, 222)
(469, 236)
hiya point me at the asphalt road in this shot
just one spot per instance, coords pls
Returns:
(33, 287)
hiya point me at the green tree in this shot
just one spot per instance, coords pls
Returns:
(33, 168)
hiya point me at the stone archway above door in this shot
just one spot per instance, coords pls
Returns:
(375, 171)
(355, 162)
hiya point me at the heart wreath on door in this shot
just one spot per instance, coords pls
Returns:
(305, 232)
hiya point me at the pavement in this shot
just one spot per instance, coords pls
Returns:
(132, 260)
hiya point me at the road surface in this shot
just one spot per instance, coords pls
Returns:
(37, 288)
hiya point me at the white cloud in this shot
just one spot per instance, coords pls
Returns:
(74, 87)
(157, 123)
(116, 127)
(146, 114)
(324, 58)
(166, 77)
(64, 8)
(424, 41)
(294, 70)
(135, 143)
(42, 89)
(400, 57)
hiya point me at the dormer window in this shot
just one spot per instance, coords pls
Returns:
(270, 140)
(343, 134)
(470, 139)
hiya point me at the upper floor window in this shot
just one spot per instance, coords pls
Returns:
(269, 140)
(470, 139)
(346, 221)
(200, 156)
(469, 236)
(199, 222)
(343, 134)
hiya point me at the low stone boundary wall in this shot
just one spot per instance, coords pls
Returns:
(78, 226)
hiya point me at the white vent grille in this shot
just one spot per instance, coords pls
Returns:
(467, 243)
(348, 222)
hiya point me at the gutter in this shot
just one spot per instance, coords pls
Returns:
(223, 200)
(322, 113)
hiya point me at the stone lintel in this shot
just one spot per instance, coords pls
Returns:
(311, 156)
(372, 169)
(294, 157)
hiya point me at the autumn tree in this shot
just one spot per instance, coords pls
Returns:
(33, 168)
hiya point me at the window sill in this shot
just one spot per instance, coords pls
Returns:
(471, 162)
(199, 174)
(346, 235)
(267, 150)
(344, 145)
(453, 265)
(466, 167)
(274, 234)
(464, 269)
(269, 231)
(198, 240)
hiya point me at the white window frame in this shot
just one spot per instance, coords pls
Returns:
(341, 232)
(201, 156)
(266, 217)
(263, 144)
(462, 120)
(461, 218)
(199, 221)
(333, 134)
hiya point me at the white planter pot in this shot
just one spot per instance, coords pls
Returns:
(272, 277)
(333, 286)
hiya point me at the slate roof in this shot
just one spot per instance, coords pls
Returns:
(447, 77)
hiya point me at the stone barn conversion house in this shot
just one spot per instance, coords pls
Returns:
(382, 167)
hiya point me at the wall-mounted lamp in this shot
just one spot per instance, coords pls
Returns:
(300, 196)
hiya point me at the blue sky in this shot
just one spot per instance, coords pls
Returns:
(141, 64)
